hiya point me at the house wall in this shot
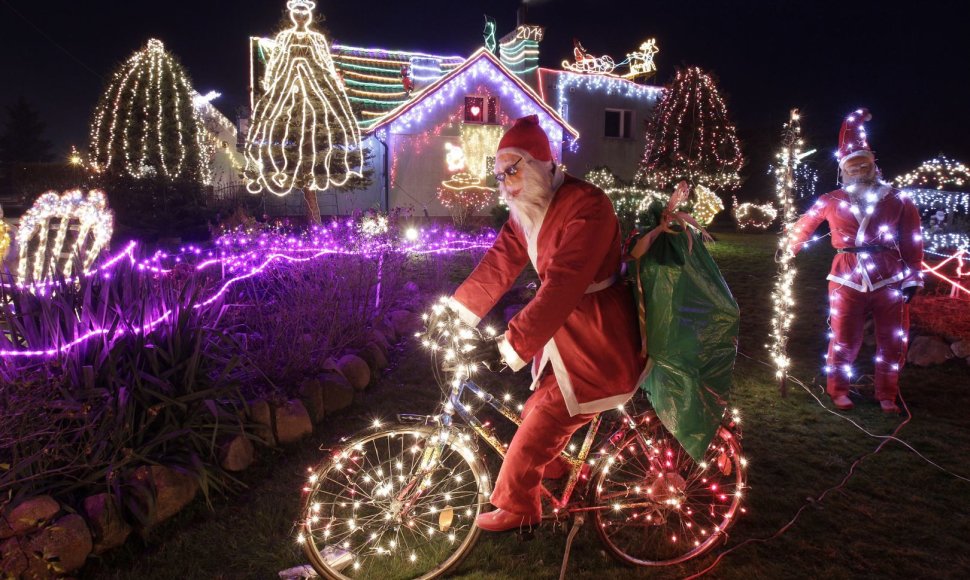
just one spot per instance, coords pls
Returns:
(583, 100)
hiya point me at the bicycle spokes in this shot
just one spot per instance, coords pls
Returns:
(396, 504)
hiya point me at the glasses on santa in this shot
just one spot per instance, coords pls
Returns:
(509, 171)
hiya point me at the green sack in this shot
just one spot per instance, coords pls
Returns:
(691, 327)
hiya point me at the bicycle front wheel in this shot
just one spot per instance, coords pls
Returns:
(658, 506)
(399, 503)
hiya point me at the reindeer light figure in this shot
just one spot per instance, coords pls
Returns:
(59, 227)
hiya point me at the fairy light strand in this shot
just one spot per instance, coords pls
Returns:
(782, 296)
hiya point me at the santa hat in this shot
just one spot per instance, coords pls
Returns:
(852, 137)
(526, 139)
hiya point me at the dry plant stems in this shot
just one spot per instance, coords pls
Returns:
(294, 319)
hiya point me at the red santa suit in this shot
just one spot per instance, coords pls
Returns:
(580, 330)
(880, 251)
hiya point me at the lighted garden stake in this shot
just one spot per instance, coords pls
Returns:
(781, 295)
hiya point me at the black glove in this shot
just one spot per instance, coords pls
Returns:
(486, 352)
(909, 292)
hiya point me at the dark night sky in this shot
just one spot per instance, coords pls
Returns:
(906, 61)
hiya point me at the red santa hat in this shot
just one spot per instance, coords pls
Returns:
(527, 139)
(852, 137)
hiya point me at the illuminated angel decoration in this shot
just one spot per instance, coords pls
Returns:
(304, 134)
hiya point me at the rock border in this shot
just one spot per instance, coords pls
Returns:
(41, 538)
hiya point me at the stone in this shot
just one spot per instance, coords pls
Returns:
(18, 560)
(374, 357)
(28, 515)
(261, 413)
(173, 490)
(311, 395)
(387, 329)
(355, 370)
(338, 394)
(377, 337)
(961, 348)
(108, 528)
(926, 351)
(292, 422)
(237, 454)
(405, 323)
(511, 311)
(67, 543)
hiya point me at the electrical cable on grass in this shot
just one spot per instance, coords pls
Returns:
(816, 500)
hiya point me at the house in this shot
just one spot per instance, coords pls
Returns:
(432, 123)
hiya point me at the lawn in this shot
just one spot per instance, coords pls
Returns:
(897, 515)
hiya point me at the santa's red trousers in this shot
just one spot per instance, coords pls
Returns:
(890, 314)
(545, 430)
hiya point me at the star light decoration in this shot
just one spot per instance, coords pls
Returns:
(782, 298)
(41, 257)
(145, 124)
(304, 134)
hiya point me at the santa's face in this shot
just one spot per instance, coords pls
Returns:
(509, 170)
(860, 169)
(526, 185)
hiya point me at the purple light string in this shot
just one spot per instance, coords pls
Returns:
(280, 248)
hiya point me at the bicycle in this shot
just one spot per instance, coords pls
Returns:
(401, 501)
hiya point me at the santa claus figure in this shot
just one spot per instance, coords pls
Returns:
(580, 330)
(876, 232)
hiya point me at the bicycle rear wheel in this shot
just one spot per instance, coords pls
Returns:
(399, 503)
(660, 507)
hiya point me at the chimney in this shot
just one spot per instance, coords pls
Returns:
(519, 49)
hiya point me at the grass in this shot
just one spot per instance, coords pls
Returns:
(896, 517)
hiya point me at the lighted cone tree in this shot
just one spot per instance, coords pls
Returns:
(690, 138)
(304, 134)
(145, 124)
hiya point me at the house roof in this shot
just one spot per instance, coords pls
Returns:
(372, 77)
(481, 55)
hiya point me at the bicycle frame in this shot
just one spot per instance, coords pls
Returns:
(456, 406)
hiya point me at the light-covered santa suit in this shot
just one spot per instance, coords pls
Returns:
(581, 324)
(869, 281)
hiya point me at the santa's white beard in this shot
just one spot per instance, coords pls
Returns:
(857, 187)
(529, 206)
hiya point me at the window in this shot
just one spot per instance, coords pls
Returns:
(619, 124)
(481, 110)
(474, 110)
